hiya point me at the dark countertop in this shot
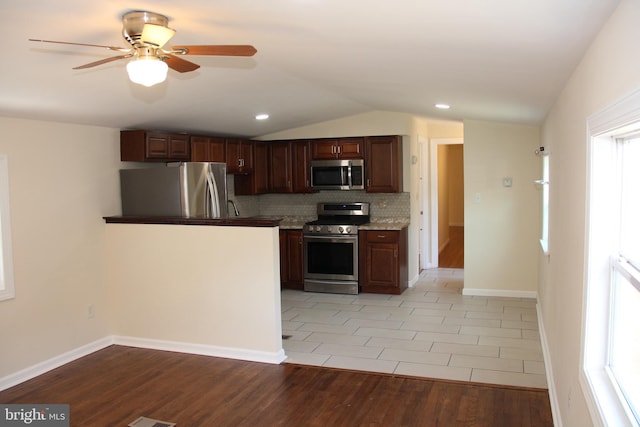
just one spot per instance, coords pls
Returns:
(229, 222)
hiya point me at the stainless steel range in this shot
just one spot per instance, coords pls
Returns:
(331, 248)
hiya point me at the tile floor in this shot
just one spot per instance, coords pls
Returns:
(431, 330)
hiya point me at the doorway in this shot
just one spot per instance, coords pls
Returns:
(443, 205)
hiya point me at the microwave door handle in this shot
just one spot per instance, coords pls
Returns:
(349, 175)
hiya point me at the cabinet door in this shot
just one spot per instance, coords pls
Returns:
(301, 176)
(246, 156)
(179, 147)
(383, 164)
(295, 259)
(239, 156)
(199, 149)
(261, 168)
(217, 150)
(291, 259)
(207, 149)
(350, 148)
(233, 155)
(383, 261)
(281, 168)
(284, 276)
(256, 182)
(324, 149)
(157, 146)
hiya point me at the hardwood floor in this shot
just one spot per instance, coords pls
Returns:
(116, 385)
(452, 256)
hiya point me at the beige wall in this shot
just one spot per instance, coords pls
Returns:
(456, 184)
(609, 70)
(502, 224)
(443, 196)
(63, 179)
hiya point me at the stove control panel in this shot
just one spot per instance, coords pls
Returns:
(330, 229)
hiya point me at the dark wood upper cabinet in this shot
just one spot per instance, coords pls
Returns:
(281, 166)
(301, 176)
(383, 164)
(239, 156)
(256, 182)
(338, 148)
(150, 146)
(208, 149)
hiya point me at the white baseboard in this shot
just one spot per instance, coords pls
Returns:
(55, 362)
(553, 394)
(414, 280)
(180, 347)
(201, 349)
(499, 293)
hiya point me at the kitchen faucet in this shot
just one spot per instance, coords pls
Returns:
(235, 208)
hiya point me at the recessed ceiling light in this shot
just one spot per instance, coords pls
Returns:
(442, 106)
(262, 116)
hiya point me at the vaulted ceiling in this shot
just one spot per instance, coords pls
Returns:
(317, 60)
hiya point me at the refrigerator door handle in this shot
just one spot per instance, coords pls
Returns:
(213, 195)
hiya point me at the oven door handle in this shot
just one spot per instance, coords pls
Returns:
(333, 238)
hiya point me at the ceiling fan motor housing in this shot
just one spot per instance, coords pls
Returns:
(133, 24)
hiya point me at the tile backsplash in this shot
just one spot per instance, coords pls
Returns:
(382, 204)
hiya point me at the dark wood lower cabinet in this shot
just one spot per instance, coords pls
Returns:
(383, 261)
(291, 259)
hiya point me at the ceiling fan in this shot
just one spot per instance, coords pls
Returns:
(147, 33)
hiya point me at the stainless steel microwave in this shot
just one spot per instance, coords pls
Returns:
(337, 174)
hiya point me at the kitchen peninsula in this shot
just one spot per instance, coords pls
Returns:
(204, 286)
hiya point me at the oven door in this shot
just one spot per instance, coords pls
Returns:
(331, 258)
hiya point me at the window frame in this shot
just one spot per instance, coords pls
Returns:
(604, 399)
(7, 285)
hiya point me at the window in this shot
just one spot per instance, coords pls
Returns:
(611, 333)
(6, 260)
(624, 352)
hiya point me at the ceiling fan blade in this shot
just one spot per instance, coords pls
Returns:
(179, 64)
(103, 61)
(222, 50)
(116, 48)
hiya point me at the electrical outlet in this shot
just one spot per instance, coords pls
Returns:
(477, 198)
(90, 312)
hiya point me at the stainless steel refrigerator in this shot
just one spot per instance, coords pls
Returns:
(186, 189)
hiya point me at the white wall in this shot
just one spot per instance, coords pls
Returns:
(216, 289)
(63, 179)
(502, 224)
(609, 70)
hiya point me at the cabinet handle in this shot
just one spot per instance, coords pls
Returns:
(381, 236)
(395, 253)
(368, 182)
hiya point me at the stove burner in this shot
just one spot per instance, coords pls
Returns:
(338, 219)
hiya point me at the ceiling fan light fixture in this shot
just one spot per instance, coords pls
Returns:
(147, 71)
(156, 35)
